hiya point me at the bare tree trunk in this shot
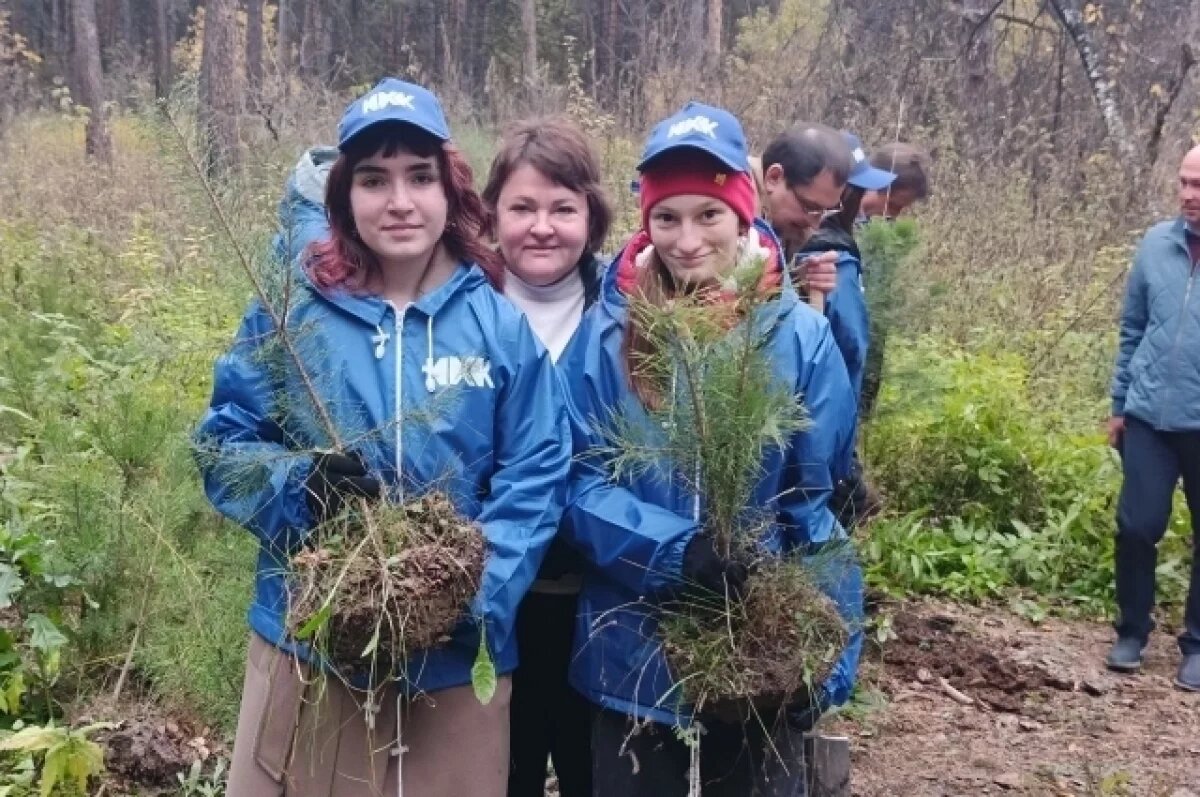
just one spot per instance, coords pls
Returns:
(219, 90)
(1102, 87)
(529, 34)
(88, 78)
(977, 40)
(1187, 60)
(60, 35)
(284, 35)
(612, 30)
(124, 25)
(254, 44)
(714, 28)
(454, 28)
(162, 49)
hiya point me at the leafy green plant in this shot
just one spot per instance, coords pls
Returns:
(988, 494)
(67, 758)
(197, 782)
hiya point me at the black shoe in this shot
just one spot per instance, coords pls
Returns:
(1188, 677)
(1125, 655)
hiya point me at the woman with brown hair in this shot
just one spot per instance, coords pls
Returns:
(548, 215)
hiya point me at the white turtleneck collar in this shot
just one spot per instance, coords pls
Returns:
(553, 310)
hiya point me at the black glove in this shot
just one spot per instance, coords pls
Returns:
(334, 478)
(705, 568)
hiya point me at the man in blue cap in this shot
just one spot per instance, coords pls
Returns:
(846, 306)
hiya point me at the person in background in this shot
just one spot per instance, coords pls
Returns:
(845, 305)
(799, 181)
(1155, 424)
(910, 164)
(854, 499)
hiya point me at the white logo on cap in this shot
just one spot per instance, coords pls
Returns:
(695, 124)
(384, 99)
(859, 155)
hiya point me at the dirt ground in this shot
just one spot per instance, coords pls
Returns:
(976, 702)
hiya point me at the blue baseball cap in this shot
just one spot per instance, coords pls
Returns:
(862, 174)
(394, 100)
(701, 127)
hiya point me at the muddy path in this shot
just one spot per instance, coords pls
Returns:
(967, 701)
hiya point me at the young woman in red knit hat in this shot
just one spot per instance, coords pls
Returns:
(644, 535)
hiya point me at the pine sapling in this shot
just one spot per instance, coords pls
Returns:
(721, 410)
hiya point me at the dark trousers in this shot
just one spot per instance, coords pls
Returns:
(854, 500)
(549, 719)
(736, 760)
(1153, 463)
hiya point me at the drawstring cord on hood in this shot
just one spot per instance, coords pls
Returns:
(380, 339)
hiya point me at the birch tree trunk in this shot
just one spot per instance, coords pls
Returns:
(1102, 88)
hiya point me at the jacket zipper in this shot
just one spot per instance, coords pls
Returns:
(398, 316)
(1187, 294)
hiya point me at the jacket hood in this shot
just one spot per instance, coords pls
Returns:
(311, 173)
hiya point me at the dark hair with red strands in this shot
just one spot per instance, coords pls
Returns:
(343, 261)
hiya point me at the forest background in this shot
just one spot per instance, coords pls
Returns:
(1056, 128)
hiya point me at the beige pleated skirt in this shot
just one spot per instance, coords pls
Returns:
(302, 737)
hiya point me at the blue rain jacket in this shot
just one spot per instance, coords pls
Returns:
(846, 306)
(1157, 377)
(634, 533)
(451, 392)
(846, 309)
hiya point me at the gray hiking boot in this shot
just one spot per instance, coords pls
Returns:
(1188, 677)
(1125, 655)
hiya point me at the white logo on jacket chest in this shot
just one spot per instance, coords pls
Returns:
(451, 371)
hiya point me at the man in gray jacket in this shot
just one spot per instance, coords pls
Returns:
(1155, 423)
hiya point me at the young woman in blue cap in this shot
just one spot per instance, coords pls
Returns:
(434, 381)
(548, 215)
(643, 535)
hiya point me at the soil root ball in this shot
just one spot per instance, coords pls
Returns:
(396, 582)
(767, 649)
